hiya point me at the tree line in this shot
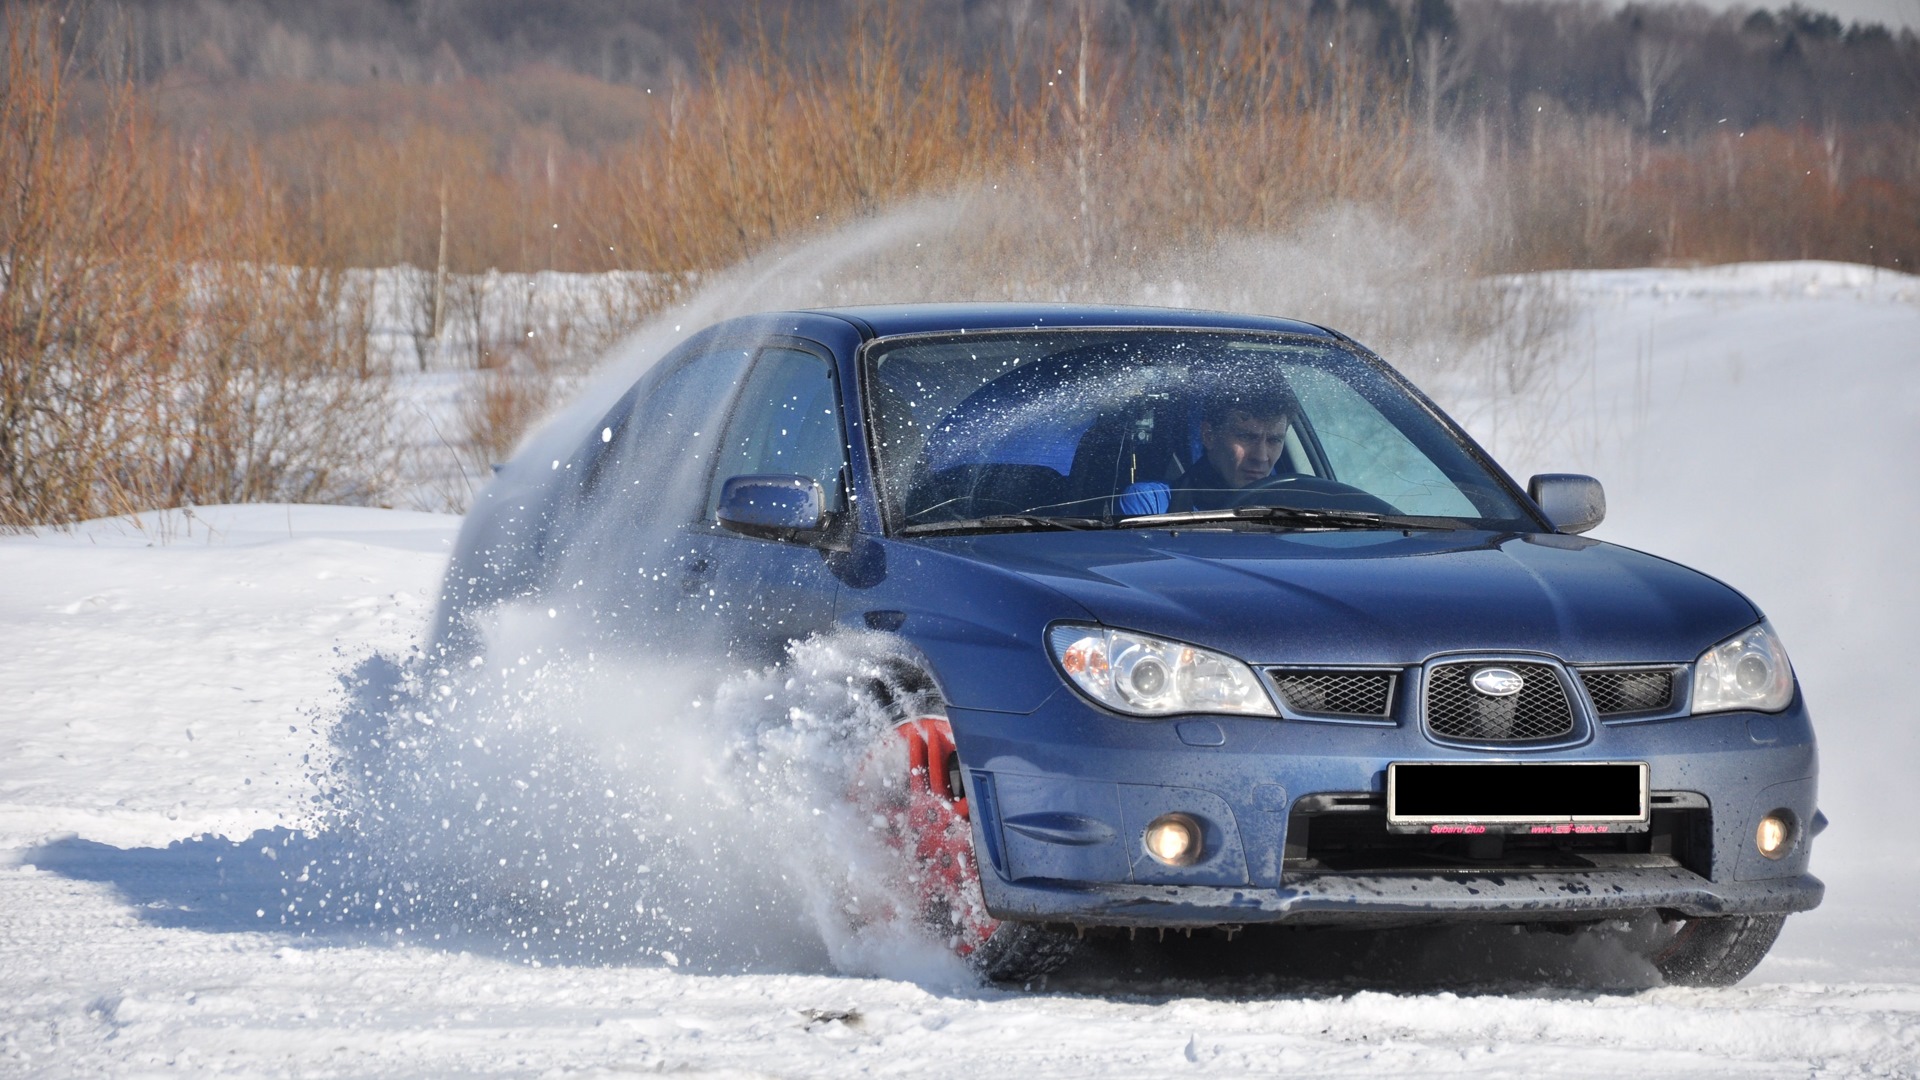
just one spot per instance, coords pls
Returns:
(1675, 70)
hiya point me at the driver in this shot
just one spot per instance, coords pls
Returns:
(1243, 434)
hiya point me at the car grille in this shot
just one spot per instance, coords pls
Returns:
(1335, 693)
(1455, 710)
(1627, 692)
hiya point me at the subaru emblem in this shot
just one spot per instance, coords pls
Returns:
(1498, 681)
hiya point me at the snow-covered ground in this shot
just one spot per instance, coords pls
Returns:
(170, 685)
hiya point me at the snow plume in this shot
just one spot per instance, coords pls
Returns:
(1408, 286)
(564, 806)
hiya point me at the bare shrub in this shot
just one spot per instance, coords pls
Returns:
(158, 349)
(780, 130)
(522, 345)
(277, 404)
(502, 405)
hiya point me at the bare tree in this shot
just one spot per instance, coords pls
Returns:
(1836, 153)
(1440, 66)
(1651, 64)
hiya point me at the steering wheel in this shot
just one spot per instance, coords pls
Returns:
(1309, 493)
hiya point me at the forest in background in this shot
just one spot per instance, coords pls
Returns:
(1620, 136)
(1677, 68)
(193, 184)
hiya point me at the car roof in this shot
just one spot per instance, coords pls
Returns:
(891, 319)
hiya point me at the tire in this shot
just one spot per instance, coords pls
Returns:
(928, 821)
(1717, 951)
(1020, 952)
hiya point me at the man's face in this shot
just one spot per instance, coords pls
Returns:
(1244, 448)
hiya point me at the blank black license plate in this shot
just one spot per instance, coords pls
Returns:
(1576, 797)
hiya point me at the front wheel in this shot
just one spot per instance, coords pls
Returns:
(929, 823)
(1718, 951)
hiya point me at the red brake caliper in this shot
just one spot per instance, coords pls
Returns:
(937, 825)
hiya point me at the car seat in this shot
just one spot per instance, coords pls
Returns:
(1120, 450)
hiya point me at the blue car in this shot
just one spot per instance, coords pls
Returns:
(1194, 621)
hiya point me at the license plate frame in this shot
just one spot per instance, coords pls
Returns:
(1538, 797)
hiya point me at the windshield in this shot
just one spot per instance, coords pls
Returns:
(1110, 428)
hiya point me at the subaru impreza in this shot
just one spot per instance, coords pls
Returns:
(1195, 621)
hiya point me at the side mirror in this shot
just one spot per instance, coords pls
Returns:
(776, 507)
(1573, 503)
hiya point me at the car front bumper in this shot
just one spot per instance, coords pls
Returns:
(1061, 797)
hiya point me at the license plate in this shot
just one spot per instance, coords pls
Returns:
(1526, 797)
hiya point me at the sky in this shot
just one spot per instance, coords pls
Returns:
(1893, 13)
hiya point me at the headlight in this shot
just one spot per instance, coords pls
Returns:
(1746, 671)
(1144, 676)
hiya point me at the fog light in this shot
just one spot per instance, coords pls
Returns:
(1774, 835)
(1174, 839)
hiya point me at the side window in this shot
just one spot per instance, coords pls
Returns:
(653, 455)
(1366, 450)
(787, 421)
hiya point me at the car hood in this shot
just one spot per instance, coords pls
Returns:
(1379, 597)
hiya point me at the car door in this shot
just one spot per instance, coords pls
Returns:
(618, 555)
(763, 593)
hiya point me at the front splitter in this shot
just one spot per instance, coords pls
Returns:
(1398, 899)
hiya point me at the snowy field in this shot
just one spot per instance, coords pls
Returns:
(171, 684)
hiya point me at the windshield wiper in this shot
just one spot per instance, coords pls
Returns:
(1002, 523)
(1291, 515)
(1353, 519)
